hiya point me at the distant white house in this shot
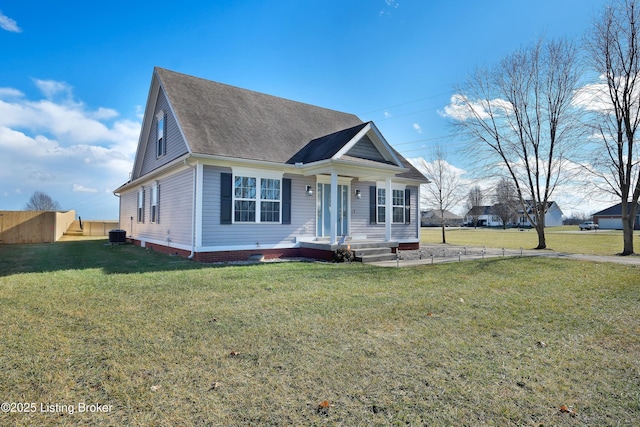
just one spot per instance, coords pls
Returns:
(483, 216)
(553, 217)
(488, 216)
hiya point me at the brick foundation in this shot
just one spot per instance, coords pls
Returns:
(227, 256)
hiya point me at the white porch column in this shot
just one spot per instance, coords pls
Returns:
(333, 209)
(388, 210)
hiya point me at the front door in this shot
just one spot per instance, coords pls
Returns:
(325, 210)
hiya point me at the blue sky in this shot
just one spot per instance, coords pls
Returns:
(75, 74)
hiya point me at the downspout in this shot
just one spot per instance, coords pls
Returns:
(193, 220)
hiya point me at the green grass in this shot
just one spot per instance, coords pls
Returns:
(562, 239)
(168, 342)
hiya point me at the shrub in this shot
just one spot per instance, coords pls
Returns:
(343, 255)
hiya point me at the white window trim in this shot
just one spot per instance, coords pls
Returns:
(259, 175)
(399, 187)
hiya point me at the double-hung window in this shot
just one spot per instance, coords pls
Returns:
(244, 192)
(257, 199)
(155, 194)
(397, 205)
(269, 200)
(161, 140)
(141, 205)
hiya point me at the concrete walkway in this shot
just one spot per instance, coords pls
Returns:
(432, 254)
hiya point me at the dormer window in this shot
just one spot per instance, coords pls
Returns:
(161, 142)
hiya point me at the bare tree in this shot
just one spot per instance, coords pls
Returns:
(614, 52)
(40, 201)
(505, 202)
(521, 122)
(474, 199)
(445, 189)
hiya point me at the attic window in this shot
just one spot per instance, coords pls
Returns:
(161, 142)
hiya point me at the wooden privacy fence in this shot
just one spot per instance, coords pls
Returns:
(98, 228)
(34, 226)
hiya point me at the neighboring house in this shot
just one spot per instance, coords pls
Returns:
(611, 218)
(552, 218)
(433, 217)
(483, 216)
(223, 173)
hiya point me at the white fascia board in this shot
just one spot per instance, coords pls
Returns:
(351, 168)
(352, 142)
(381, 139)
(147, 119)
(212, 160)
(378, 141)
(170, 168)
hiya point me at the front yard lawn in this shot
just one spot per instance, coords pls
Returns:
(157, 340)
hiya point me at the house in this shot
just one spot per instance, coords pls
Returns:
(611, 218)
(433, 218)
(483, 216)
(223, 173)
(552, 217)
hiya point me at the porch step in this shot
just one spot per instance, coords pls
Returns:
(366, 255)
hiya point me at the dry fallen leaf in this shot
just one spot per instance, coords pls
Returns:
(323, 407)
(429, 314)
(570, 411)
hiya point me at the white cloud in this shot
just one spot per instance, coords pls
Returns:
(51, 88)
(9, 24)
(7, 92)
(417, 128)
(79, 188)
(63, 148)
(462, 108)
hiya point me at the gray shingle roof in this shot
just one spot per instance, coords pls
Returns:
(223, 120)
(228, 121)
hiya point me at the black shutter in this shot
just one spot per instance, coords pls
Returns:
(226, 198)
(407, 206)
(373, 204)
(286, 201)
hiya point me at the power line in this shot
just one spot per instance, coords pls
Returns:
(405, 103)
